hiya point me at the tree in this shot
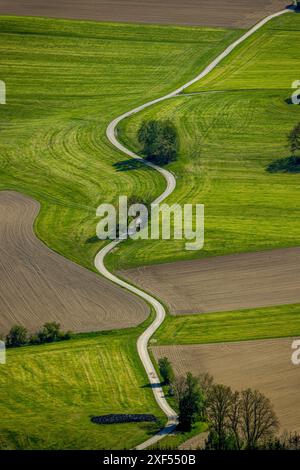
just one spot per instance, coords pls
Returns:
(258, 419)
(239, 421)
(51, 332)
(18, 336)
(159, 140)
(219, 404)
(190, 400)
(234, 417)
(294, 139)
(206, 382)
(166, 371)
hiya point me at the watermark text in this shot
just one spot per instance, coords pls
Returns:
(159, 221)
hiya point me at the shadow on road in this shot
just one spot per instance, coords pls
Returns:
(131, 164)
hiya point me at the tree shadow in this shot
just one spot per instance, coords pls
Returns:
(141, 164)
(285, 165)
(148, 385)
(93, 239)
(131, 164)
(294, 8)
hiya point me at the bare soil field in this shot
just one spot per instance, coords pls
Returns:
(226, 13)
(263, 365)
(224, 283)
(38, 285)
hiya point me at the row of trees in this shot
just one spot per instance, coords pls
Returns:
(237, 420)
(49, 333)
(159, 140)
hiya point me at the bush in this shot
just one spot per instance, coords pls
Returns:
(18, 336)
(49, 333)
(159, 140)
(287, 441)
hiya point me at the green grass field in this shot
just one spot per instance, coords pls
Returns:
(49, 393)
(227, 139)
(66, 80)
(249, 324)
(268, 60)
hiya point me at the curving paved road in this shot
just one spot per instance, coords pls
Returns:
(142, 344)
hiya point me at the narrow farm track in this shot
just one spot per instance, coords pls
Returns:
(142, 344)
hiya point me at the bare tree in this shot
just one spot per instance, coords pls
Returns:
(234, 417)
(258, 419)
(219, 404)
(178, 387)
(206, 382)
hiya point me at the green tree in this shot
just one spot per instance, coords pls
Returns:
(159, 140)
(190, 400)
(166, 371)
(18, 336)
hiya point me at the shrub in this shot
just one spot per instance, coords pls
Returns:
(18, 336)
(51, 332)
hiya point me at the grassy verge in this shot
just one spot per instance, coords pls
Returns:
(242, 325)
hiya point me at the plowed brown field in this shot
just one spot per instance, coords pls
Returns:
(229, 13)
(263, 365)
(224, 283)
(38, 285)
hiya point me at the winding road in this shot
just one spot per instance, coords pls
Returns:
(143, 340)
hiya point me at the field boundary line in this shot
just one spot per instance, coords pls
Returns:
(143, 340)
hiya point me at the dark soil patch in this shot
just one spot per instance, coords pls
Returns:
(123, 418)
